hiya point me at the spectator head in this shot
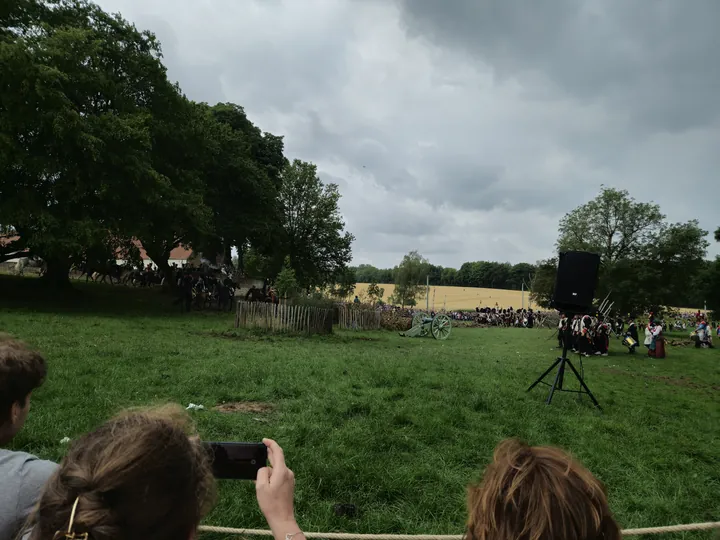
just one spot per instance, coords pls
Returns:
(141, 475)
(22, 370)
(538, 493)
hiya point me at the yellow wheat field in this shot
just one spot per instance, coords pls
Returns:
(444, 297)
(460, 297)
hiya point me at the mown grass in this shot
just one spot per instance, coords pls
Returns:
(396, 426)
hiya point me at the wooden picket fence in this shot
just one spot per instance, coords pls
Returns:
(283, 318)
(358, 318)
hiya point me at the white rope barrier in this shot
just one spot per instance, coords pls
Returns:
(351, 536)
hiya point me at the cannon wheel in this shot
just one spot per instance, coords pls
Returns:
(441, 327)
(418, 319)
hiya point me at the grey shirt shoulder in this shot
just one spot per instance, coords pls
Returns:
(22, 477)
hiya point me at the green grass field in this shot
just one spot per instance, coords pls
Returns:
(397, 426)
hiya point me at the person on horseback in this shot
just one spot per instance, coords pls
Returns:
(250, 295)
(200, 291)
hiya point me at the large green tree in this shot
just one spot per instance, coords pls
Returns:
(645, 262)
(613, 225)
(345, 283)
(171, 209)
(410, 278)
(243, 184)
(76, 89)
(312, 226)
(97, 147)
(543, 284)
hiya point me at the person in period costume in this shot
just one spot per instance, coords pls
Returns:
(530, 319)
(702, 335)
(619, 326)
(585, 340)
(562, 325)
(575, 327)
(631, 333)
(601, 337)
(656, 347)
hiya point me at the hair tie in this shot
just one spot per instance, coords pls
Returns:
(70, 535)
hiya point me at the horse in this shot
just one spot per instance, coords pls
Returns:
(29, 262)
(20, 265)
(143, 278)
(134, 277)
(256, 295)
(99, 271)
(225, 292)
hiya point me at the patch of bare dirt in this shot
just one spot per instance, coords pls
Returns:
(254, 407)
(680, 342)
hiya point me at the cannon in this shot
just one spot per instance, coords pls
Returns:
(438, 326)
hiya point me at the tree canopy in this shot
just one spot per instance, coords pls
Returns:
(410, 277)
(646, 262)
(312, 226)
(486, 274)
(98, 147)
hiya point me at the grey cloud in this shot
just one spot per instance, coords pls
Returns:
(465, 128)
(655, 59)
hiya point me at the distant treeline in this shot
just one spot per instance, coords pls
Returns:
(491, 275)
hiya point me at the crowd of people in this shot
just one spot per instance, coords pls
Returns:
(145, 474)
(589, 335)
(509, 317)
(584, 334)
(505, 317)
(198, 289)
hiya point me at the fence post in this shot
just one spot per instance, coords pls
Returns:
(284, 317)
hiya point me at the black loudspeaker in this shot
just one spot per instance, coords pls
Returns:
(577, 276)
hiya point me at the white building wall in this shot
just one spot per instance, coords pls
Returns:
(148, 262)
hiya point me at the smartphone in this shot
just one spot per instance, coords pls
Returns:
(236, 460)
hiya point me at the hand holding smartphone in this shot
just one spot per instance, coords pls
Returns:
(237, 460)
(274, 486)
(275, 490)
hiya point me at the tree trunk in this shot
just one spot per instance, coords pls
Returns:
(57, 273)
(227, 254)
(240, 270)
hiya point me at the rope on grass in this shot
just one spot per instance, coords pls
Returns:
(351, 536)
(674, 528)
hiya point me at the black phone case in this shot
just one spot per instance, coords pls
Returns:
(236, 460)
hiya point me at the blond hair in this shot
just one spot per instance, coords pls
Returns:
(140, 475)
(538, 493)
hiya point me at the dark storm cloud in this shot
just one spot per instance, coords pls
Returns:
(655, 59)
(466, 128)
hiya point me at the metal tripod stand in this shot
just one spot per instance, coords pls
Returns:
(561, 362)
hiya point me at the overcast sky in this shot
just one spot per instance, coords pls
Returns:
(466, 128)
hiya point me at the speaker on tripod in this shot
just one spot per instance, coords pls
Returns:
(575, 283)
